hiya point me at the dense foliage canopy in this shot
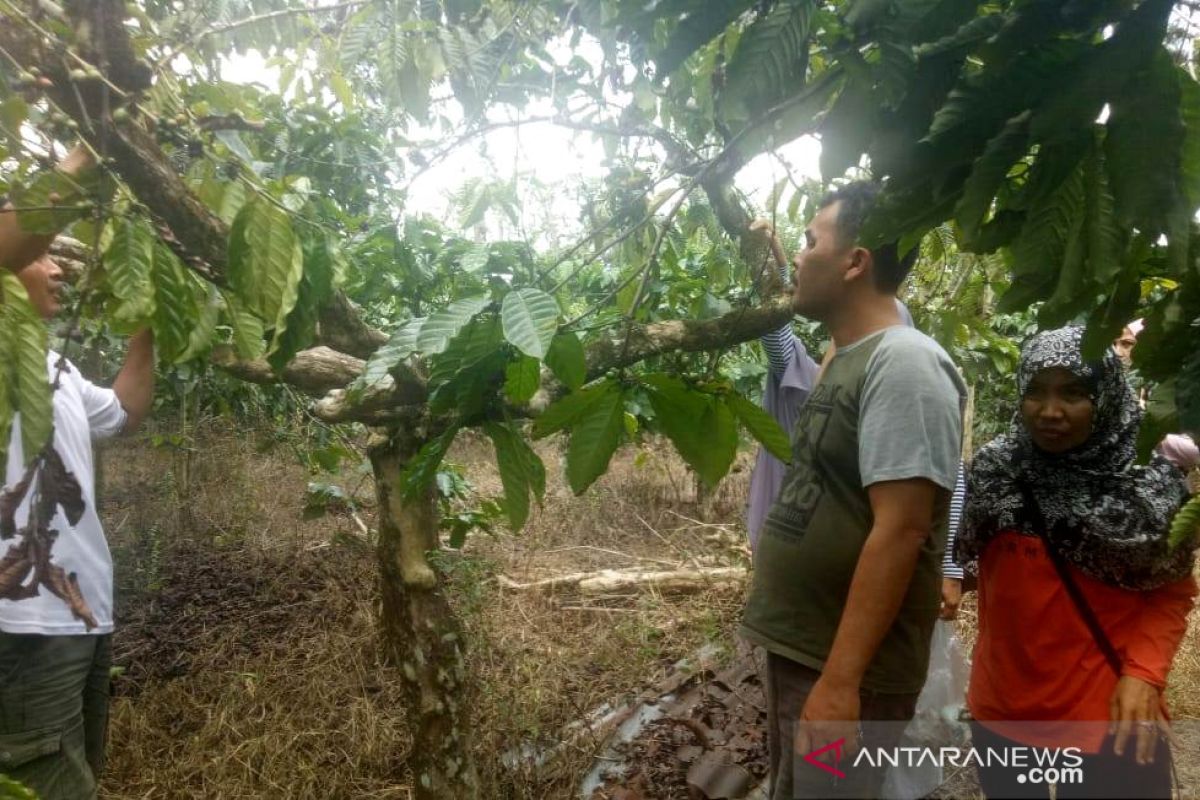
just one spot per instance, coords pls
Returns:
(1045, 152)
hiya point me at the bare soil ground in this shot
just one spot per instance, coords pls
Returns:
(248, 646)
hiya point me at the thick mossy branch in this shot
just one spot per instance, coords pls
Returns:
(341, 328)
(384, 404)
(689, 336)
(315, 371)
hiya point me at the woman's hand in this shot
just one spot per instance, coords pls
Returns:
(952, 591)
(1135, 706)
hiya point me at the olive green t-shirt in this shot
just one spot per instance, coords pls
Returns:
(889, 407)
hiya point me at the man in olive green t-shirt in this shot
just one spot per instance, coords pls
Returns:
(848, 566)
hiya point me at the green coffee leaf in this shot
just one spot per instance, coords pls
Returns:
(54, 200)
(594, 438)
(472, 345)
(175, 305)
(521, 380)
(566, 411)
(567, 360)
(317, 282)
(530, 318)
(24, 370)
(266, 263)
(200, 340)
(129, 263)
(401, 345)
(521, 471)
(762, 426)
(247, 328)
(419, 473)
(1186, 524)
(443, 326)
(701, 427)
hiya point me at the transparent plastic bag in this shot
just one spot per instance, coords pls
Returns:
(936, 720)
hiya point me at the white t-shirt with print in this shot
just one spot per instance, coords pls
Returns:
(82, 412)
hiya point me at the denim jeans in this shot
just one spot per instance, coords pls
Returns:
(54, 712)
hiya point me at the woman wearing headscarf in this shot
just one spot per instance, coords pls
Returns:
(1082, 604)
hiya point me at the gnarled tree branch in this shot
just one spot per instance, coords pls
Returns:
(688, 336)
(315, 371)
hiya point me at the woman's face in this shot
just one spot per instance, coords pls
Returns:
(1057, 410)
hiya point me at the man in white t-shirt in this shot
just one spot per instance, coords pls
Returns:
(55, 645)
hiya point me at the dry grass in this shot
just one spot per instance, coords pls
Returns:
(544, 666)
(248, 640)
(248, 636)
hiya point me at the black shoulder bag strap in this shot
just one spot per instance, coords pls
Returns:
(1060, 566)
(1081, 603)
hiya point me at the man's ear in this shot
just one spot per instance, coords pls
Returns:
(861, 262)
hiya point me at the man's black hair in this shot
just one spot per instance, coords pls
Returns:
(856, 200)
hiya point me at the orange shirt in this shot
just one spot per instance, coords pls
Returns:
(1036, 660)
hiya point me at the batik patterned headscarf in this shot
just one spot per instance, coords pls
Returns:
(1106, 515)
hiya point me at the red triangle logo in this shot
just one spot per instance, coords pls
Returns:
(836, 747)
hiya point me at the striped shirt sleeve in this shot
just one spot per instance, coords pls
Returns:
(780, 344)
(957, 502)
(780, 347)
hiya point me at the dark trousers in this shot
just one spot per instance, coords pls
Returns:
(1104, 774)
(54, 712)
(788, 686)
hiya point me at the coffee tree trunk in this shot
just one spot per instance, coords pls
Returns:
(420, 634)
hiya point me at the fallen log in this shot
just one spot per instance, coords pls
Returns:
(609, 580)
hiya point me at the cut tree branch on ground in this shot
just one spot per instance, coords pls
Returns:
(609, 580)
